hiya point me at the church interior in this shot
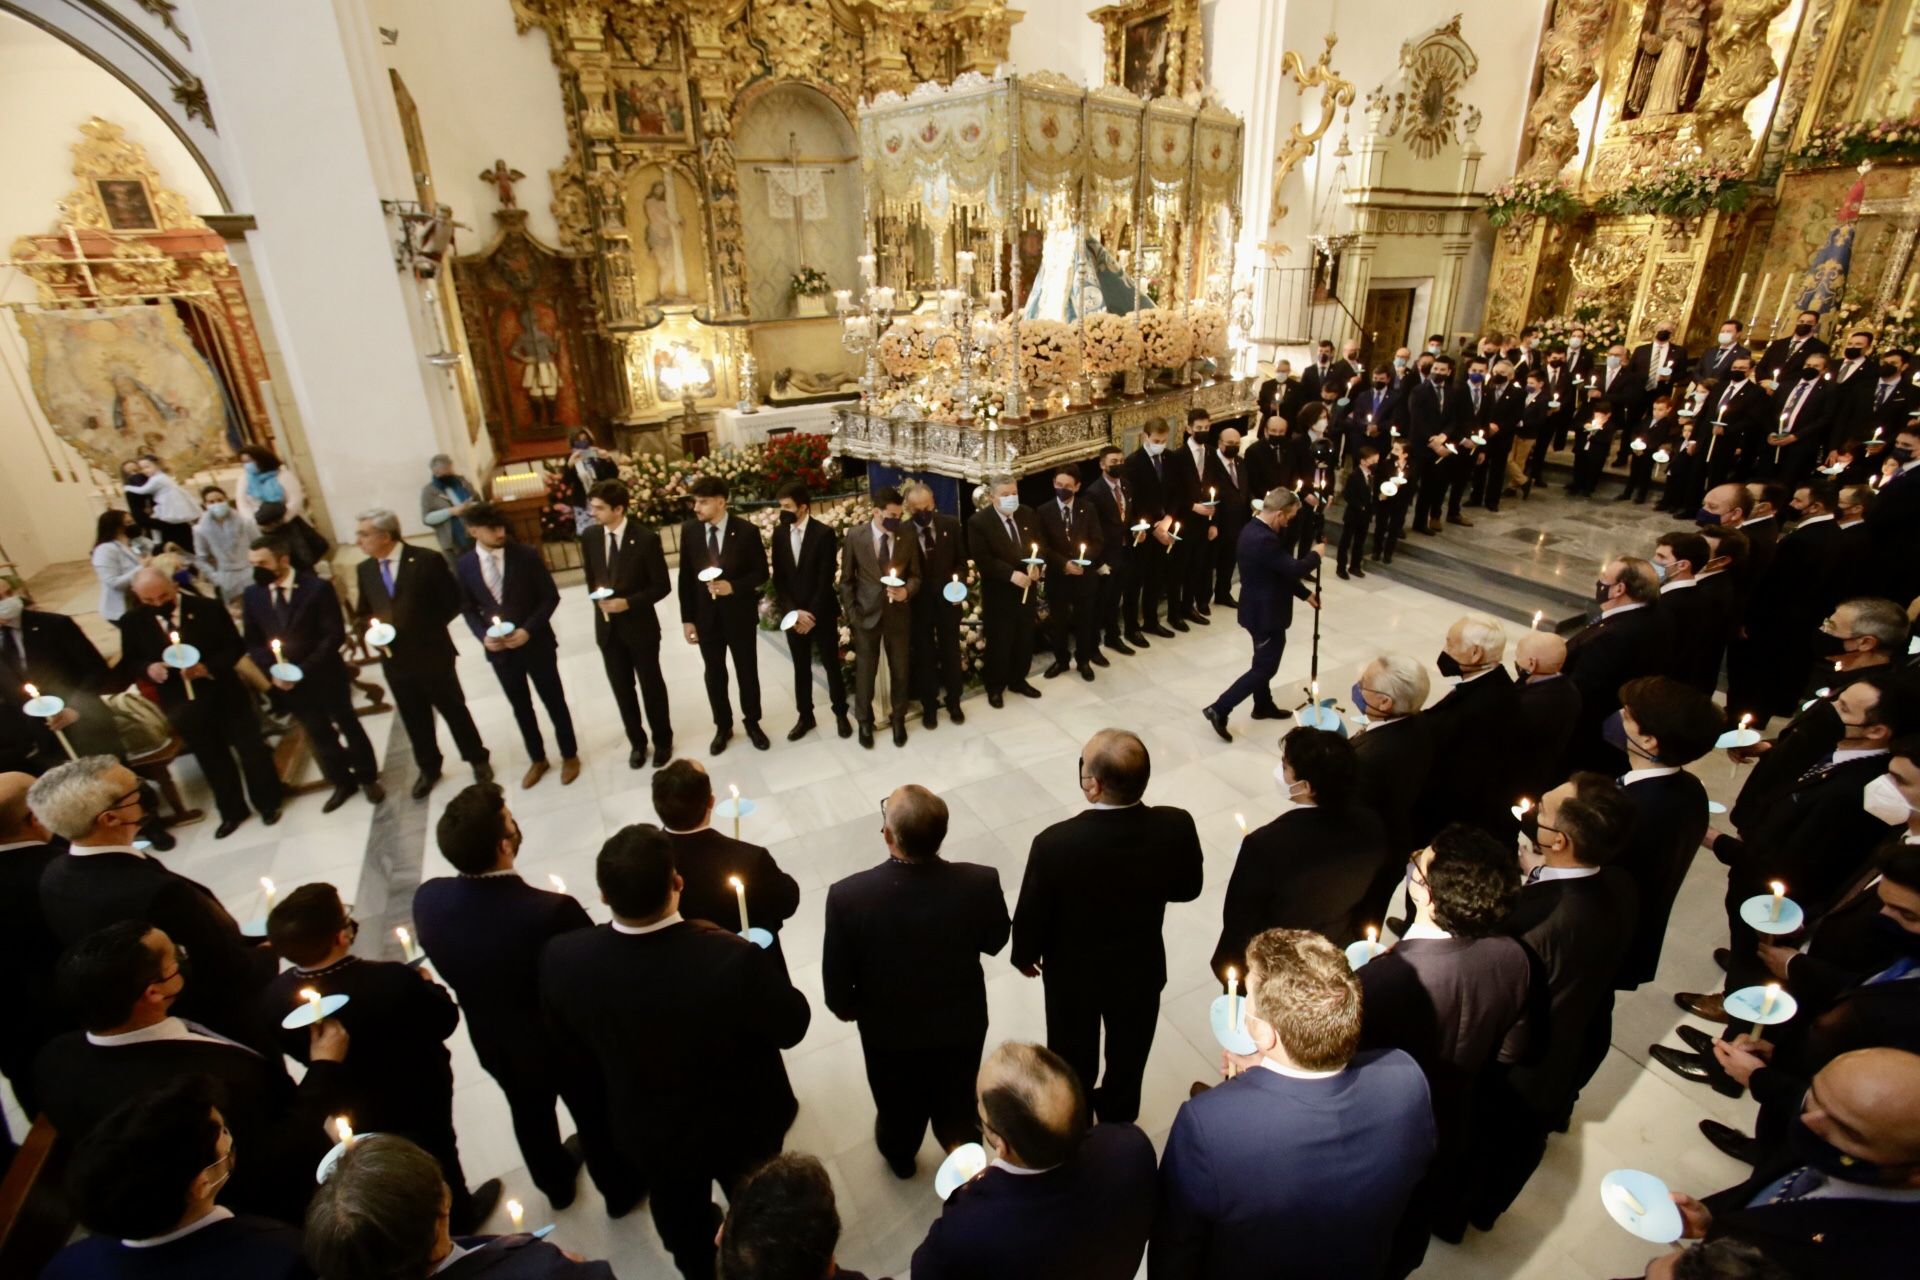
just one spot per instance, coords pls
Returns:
(428, 252)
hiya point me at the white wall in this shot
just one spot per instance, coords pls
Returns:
(48, 90)
(1057, 35)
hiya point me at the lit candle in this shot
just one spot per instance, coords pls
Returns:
(277, 655)
(343, 1130)
(266, 890)
(734, 792)
(1240, 820)
(1233, 999)
(1537, 615)
(1779, 897)
(1083, 551)
(867, 263)
(559, 885)
(516, 1213)
(406, 942)
(312, 998)
(1210, 495)
(740, 892)
(1746, 720)
(173, 638)
(1767, 1001)
(842, 300)
(1373, 942)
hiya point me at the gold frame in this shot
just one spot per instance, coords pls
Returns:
(1186, 51)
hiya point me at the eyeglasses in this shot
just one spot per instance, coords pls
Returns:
(182, 962)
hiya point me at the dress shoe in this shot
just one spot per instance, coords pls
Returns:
(1723, 956)
(662, 752)
(1387, 559)
(158, 838)
(955, 714)
(1700, 1004)
(1199, 618)
(1219, 723)
(1054, 668)
(1156, 630)
(1462, 521)
(637, 758)
(1122, 648)
(341, 794)
(1691, 1066)
(227, 827)
(1138, 641)
(1423, 529)
(535, 771)
(1178, 624)
(902, 1169)
(1086, 672)
(757, 736)
(424, 783)
(930, 717)
(562, 1197)
(866, 735)
(485, 1199)
(1227, 601)
(899, 733)
(270, 816)
(483, 772)
(1024, 689)
(842, 725)
(802, 727)
(1730, 1141)
(1471, 502)
(1433, 526)
(373, 791)
(721, 737)
(1099, 659)
(1341, 574)
(996, 699)
(1203, 611)
(1272, 713)
(1695, 1039)
(1359, 571)
(619, 1207)
(569, 770)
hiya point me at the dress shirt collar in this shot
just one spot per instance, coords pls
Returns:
(1813, 520)
(1423, 929)
(219, 1213)
(1857, 753)
(720, 526)
(88, 850)
(1019, 1172)
(168, 1028)
(22, 844)
(1374, 726)
(1296, 1073)
(285, 581)
(800, 526)
(1476, 675)
(1104, 805)
(1677, 585)
(690, 831)
(1848, 524)
(1541, 677)
(454, 1255)
(655, 927)
(1562, 873)
(1632, 776)
(1753, 520)
(392, 556)
(509, 873)
(618, 533)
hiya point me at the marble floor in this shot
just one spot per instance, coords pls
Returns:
(1005, 775)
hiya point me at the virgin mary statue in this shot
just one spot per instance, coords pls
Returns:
(1666, 58)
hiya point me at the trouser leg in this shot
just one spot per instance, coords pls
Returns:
(745, 648)
(512, 674)
(621, 673)
(1073, 1030)
(1257, 681)
(866, 661)
(1129, 1017)
(713, 661)
(451, 702)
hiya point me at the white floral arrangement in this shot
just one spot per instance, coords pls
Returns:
(900, 353)
(986, 409)
(1209, 324)
(1111, 343)
(1166, 338)
(1049, 352)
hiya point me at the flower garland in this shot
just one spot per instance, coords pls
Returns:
(1548, 199)
(1601, 331)
(1849, 144)
(1111, 343)
(900, 354)
(1680, 193)
(1166, 339)
(1049, 352)
(1209, 324)
(660, 488)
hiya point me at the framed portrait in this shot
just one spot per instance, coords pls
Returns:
(1143, 55)
(128, 204)
(650, 105)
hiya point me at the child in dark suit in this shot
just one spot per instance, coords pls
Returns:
(1390, 512)
(1357, 509)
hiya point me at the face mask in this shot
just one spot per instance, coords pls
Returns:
(1379, 386)
(890, 523)
(1738, 375)
(1114, 470)
(218, 510)
(1065, 496)
(1574, 344)
(1602, 590)
(1856, 353)
(1614, 730)
(1010, 503)
(1901, 453)
(1663, 334)
(582, 446)
(789, 517)
(1883, 800)
(1613, 362)
(1705, 517)
(11, 608)
(1433, 349)
(1828, 645)
(1808, 373)
(1291, 792)
(1155, 448)
(925, 518)
(1229, 450)
(1476, 378)
(1802, 330)
(1399, 362)
(264, 577)
(1726, 339)
(1554, 362)
(1659, 570)
(1449, 665)
(1202, 438)
(251, 467)
(1816, 1152)
(1889, 370)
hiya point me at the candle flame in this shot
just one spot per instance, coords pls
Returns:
(174, 636)
(1373, 935)
(1526, 805)
(266, 885)
(496, 619)
(406, 939)
(1240, 820)
(559, 885)
(1233, 977)
(312, 997)
(1746, 720)
(343, 1129)
(32, 692)
(1779, 888)
(736, 883)
(516, 1212)
(1537, 615)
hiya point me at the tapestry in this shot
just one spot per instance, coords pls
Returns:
(117, 382)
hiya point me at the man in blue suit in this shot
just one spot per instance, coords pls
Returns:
(503, 581)
(302, 612)
(1270, 578)
(1304, 1161)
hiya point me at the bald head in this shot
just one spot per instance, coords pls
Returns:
(916, 823)
(1540, 653)
(153, 588)
(1729, 504)
(1867, 1104)
(17, 822)
(1114, 768)
(1031, 1105)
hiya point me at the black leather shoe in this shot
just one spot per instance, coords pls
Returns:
(842, 725)
(485, 1198)
(662, 752)
(1178, 625)
(996, 699)
(866, 736)
(483, 772)
(227, 827)
(374, 792)
(1025, 690)
(757, 736)
(1227, 602)
(1342, 574)
(1731, 1141)
(342, 793)
(270, 816)
(637, 757)
(560, 1198)
(1120, 647)
(423, 784)
(1691, 1066)
(1359, 571)
(1723, 956)
(1099, 659)
(1155, 630)
(1200, 618)
(1219, 723)
(902, 1169)
(1054, 668)
(721, 737)
(955, 714)
(1203, 610)
(1272, 713)
(930, 717)
(1695, 1039)
(1086, 672)
(804, 726)
(899, 733)
(1138, 640)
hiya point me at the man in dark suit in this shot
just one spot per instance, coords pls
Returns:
(1117, 591)
(934, 659)
(483, 931)
(1656, 363)
(1575, 917)
(296, 618)
(1894, 521)
(1472, 729)
(216, 717)
(1590, 446)
(1892, 401)
(1230, 1193)
(721, 611)
(1357, 498)
(1059, 1198)
(102, 879)
(625, 560)
(805, 556)
(1001, 538)
(1436, 413)
(1092, 903)
(710, 863)
(1716, 362)
(504, 582)
(1500, 424)
(1854, 375)
(1785, 355)
(51, 653)
(400, 1077)
(685, 1022)
(902, 959)
(1627, 394)
(412, 591)
(1312, 867)
(379, 1214)
(1631, 638)
(1450, 993)
(122, 984)
(145, 1184)
(1069, 534)
(1190, 589)
(1549, 710)
(1783, 636)
(29, 949)
(1841, 1201)
(1270, 578)
(1393, 756)
(1739, 416)
(1802, 424)
(879, 576)
(783, 1223)
(1149, 484)
(1699, 626)
(1227, 479)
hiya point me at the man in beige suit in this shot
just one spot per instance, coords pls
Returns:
(878, 614)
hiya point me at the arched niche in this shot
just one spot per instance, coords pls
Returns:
(782, 124)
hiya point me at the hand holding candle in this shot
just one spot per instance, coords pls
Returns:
(312, 998)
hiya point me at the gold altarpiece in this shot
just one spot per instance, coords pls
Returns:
(1758, 78)
(650, 189)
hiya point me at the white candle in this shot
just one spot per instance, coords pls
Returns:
(734, 791)
(1233, 999)
(867, 263)
(277, 655)
(1767, 1001)
(740, 892)
(1779, 897)
(1240, 820)
(312, 998)
(1739, 292)
(559, 885)
(1907, 301)
(1537, 615)
(406, 942)
(842, 300)
(1083, 551)
(1373, 942)
(1633, 1202)
(266, 890)
(1760, 295)
(516, 1213)
(343, 1130)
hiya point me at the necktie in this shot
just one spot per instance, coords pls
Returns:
(1894, 972)
(886, 550)
(1158, 472)
(1440, 394)
(280, 604)
(926, 538)
(386, 575)
(1066, 518)
(491, 564)
(1533, 876)
(1120, 501)
(1012, 536)
(1880, 394)
(1233, 472)
(19, 645)
(713, 546)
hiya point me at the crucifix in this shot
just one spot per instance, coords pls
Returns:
(1903, 215)
(799, 230)
(503, 176)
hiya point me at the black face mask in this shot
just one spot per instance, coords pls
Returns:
(1829, 646)
(1664, 335)
(1856, 353)
(1199, 437)
(1229, 450)
(1379, 386)
(1448, 664)
(789, 517)
(1602, 590)
(1115, 470)
(1738, 375)
(1065, 496)
(890, 523)
(925, 518)
(1808, 373)
(1901, 453)
(264, 577)
(1889, 370)
(1802, 330)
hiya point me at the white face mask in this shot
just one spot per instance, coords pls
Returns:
(1883, 800)
(1726, 339)
(1155, 448)
(1010, 503)
(1292, 794)
(11, 608)
(218, 510)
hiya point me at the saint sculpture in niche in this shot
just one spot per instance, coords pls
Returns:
(1662, 82)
